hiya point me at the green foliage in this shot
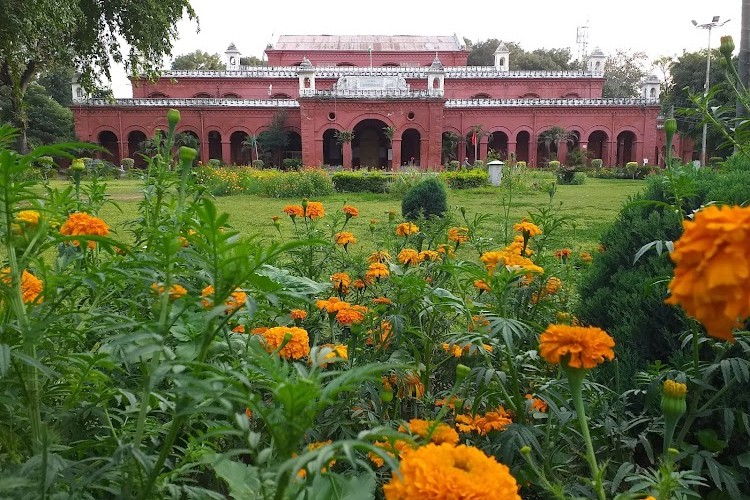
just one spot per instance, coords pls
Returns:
(276, 137)
(291, 163)
(427, 199)
(270, 182)
(198, 60)
(482, 53)
(578, 178)
(596, 163)
(625, 73)
(554, 165)
(360, 182)
(465, 179)
(127, 163)
(258, 164)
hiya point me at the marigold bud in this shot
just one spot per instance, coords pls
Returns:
(187, 154)
(727, 46)
(673, 397)
(386, 396)
(670, 126)
(78, 165)
(173, 117)
(462, 371)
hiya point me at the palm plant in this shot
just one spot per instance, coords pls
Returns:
(251, 144)
(555, 136)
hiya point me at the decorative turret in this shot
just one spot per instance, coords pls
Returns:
(651, 87)
(306, 74)
(596, 61)
(502, 57)
(436, 77)
(77, 91)
(232, 57)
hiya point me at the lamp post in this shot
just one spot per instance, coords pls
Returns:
(707, 26)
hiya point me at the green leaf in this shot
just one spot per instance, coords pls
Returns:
(4, 359)
(243, 480)
(744, 460)
(338, 487)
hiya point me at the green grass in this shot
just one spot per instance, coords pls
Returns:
(590, 209)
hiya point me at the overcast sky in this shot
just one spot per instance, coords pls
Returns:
(656, 27)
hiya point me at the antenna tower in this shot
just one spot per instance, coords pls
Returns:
(582, 40)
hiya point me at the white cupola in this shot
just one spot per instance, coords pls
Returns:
(651, 88)
(232, 57)
(436, 77)
(306, 74)
(502, 58)
(596, 61)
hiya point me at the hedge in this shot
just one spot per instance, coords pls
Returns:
(359, 182)
(465, 179)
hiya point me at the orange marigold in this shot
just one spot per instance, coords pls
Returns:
(81, 223)
(297, 341)
(409, 256)
(411, 386)
(441, 433)
(458, 234)
(482, 285)
(712, 267)
(344, 238)
(351, 316)
(446, 250)
(586, 257)
(239, 329)
(495, 420)
(377, 271)
(582, 347)
(30, 217)
(428, 255)
(341, 282)
(332, 305)
(446, 471)
(382, 301)
(553, 285)
(314, 210)
(350, 211)
(176, 291)
(563, 253)
(298, 314)
(235, 300)
(528, 229)
(294, 211)
(380, 256)
(537, 404)
(406, 228)
(31, 286)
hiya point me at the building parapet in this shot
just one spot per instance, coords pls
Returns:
(469, 72)
(371, 94)
(505, 103)
(192, 102)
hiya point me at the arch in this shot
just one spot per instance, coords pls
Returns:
(599, 145)
(571, 95)
(306, 82)
(135, 139)
(157, 95)
(237, 156)
(230, 95)
(391, 65)
(598, 66)
(410, 147)
(108, 140)
(626, 145)
(333, 151)
(523, 145)
(370, 144)
(498, 141)
(652, 93)
(450, 140)
(481, 95)
(345, 64)
(202, 95)
(214, 145)
(369, 116)
(435, 83)
(281, 95)
(529, 95)
(294, 146)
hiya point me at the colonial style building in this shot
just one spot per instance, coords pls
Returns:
(405, 99)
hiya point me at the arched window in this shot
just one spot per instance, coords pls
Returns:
(652, 92)
(202, 95)
(480, 96)
(435, 83)
(307, 83)
(231, 95)
(157, 95)
(598, 66)
(502, 61)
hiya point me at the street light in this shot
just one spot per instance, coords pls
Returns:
(707, 26)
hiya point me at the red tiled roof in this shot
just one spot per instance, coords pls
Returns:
(379, 43)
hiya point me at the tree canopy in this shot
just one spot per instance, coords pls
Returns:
(86, 35)
(483, 54)
(198, 60)
(624, 72)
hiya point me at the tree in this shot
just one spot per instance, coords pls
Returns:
(49, 122)
(554, 136)
(483, 54)
(36, 36)
(56, 82)
(252, 61)
(198, 60)
(251, 144)
(276, 138)
(624, 72)
(450, 143)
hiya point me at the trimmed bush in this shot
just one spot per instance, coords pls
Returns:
(479, 164)
(465, 179)
(214, 163)
(258, 164)
(291, 163)
(521, 164)
(554, 164)
(578, 178)
(360, 182)
(427, 199)
(596, 163)
(127, 163)
(454, 165)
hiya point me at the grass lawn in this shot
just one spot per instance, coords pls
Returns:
(590, 207)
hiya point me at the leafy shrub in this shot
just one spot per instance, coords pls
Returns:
(127, 163)
(404, 181)
(214, 163)
(291, 163)
(465, 179)
(359, 182)
(454, 165)
(578, 178)
(554, 165)
(715, 161)
(521, 164)
(631, 168)
(479, 164)
(258, 164)
(596, 163)
(427, 199)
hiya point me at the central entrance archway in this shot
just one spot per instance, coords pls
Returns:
(370, 144)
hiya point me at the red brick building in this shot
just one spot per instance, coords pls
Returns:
(418, 88)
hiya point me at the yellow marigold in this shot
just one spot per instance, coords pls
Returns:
(30, 217)
(382, 301)
(176, 291)
(482, 285)
(316, 445)
(446, 250)
(297, 347)
(450, 472)
(712, 267)
(512, 260)
(675, 389)
(553, 285)
(332, 305)
(495, 420)
(409, 256)
(298, 314)
(350, 211)
(441, 433)
(384, 335)
(344, 238)
(406, 228)
(81, 223)
(350, 316)
(393, 449)
(537, 404)
(527, 228)
(377, 271)
(294, 211)
(458, 234)
(411, 386)
(452, 349)
(583, 347)
(586, 257)
(337, 351)
(314, 210)
(341, 282)
(428, 255)
(31, 286)
(235, 300)
(380, 256)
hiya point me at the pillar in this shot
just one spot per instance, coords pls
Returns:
(611, 153)
(639, 154)
(562, 151)
(532, 150)
(123, 146)
(482, 151)
(396, 162)
(314, 157)
(347, 151)
(424, 153)
(584, 147)
(203, 153)
(226, 153)
(511, 150)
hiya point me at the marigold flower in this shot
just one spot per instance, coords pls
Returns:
(337, 351)
(377, 271)
(411, 386)
(482, 285)
(294, 211)
(563, 254)
(406, 228)
(537, 404)
(259, 330)
(30, 217)
(380, 256)
(312, 447)
(359, 284)
(176, 291)
(314, 210)
(511, 260)
(298, 314)
(382, 301)
(341, 282)
(441, 433)
(447, 471)
(384, 335)
(446, 250)
(428, 255)
(235, 300)
(586, 257)
(350, 316)
(81, 223)
(553, 285)
(495, 420)
(344, 238)
(528, 229)
(350, 211)
(409, 256)
(393, 449)
(332, 305)
(239, 329)
(297, 346)
(583, 347)
(712, 267)
(458, 234)
(31, 286)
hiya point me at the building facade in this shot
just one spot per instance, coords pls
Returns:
(400, 99)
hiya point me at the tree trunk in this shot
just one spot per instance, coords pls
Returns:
(20, 119)
(744, 62)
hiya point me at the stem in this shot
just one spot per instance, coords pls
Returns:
(575, 380)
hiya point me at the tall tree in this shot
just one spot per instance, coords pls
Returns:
(42, 34)
(276, 138)
(744, 58)
(624, 72)
(49, 121)
(198, 60)
(252, 61)
(482, 53)
(56, 82)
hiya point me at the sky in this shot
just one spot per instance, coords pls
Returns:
(656, 27)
